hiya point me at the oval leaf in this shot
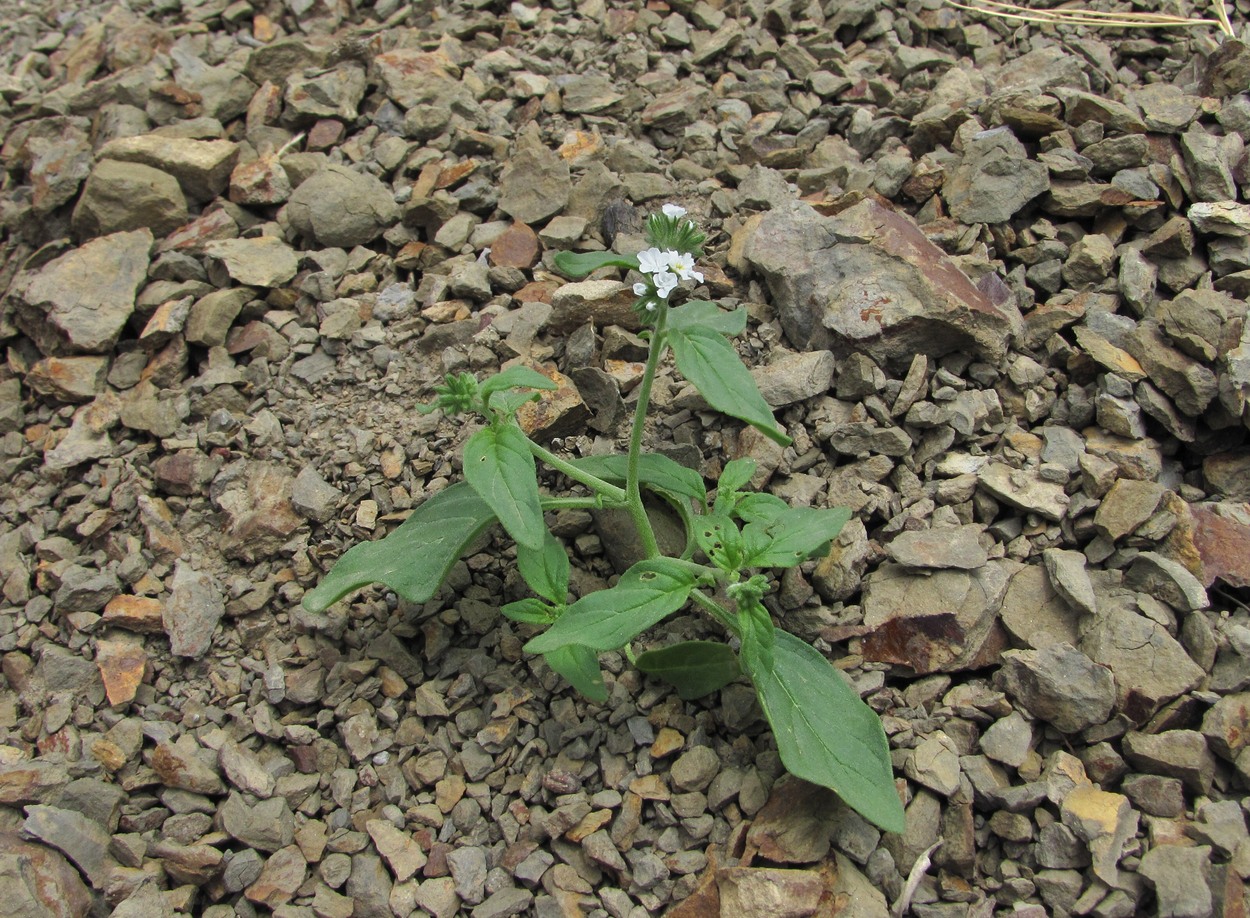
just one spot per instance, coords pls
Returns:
(529, 611)
(500, 468)
(518, 377)
(579, 264)
(710, 362)
(825, 733)
(702, 314)
(695, 668)
(792, 537)
(546, 570)
(580, 666)
(414, 558)
(646, 594)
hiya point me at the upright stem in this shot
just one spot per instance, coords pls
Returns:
(633, 495)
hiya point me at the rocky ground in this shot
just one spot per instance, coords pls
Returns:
(997, 280)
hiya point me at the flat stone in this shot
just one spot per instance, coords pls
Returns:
(1228, 474)
(515, 247)
(1226, 725)
(759, 892)
(143, 614)
(81, 301)
(1180, 877)
(994, 179)
(283, 874)
(408, 76)
(30, 782)
(400, 850)
(68, 379)
(931, 622)
(1104, 821)
(120, 197)
(38, 882)
(869, 280)
(958, 547)
(244, 769)
(261, 261)
(122, 665)
(256, 500)
(1191, 385)
(184, 766)
(1166, 580)
(795, 377)
(1179, 754)
(1126, 506)
(934, 763)
(535, 184)
(191, 614)
(1150, 666)
(267, 826)
(795, 826)
(82, 840)
(1060, 685)
(1070, 579)
(1024, 489)
(1223, 546)
(202, 167)
(695, 769)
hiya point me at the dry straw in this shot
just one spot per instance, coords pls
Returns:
(1075, 14)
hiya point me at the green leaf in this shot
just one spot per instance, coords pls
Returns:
(646, 594)
(793, 536)
(710, 362)
(736, 475)
(825, 733)
(518, 377)
(757, 632)
(579, 264)
(530, 611)
(658, 473)
(500, 468)
(580, 666)
(414, 558)
(759, 508)
(696, 668)
(546, 570)
(720, 540)
(702, 314)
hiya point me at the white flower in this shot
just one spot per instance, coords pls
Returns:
(673, 210)
(664, 282)
(640, 289)
(652, 260)
(682, 264)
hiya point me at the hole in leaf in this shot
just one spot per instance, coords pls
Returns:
(647, 575)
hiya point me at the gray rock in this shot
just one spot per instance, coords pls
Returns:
(1070, 579)
(1207, 160)
(202, 167)
(504, 903)
(1150, 666)
(1179, 754)
(81, 301)
(120, 197)
(958, 547)
(795, 377)
(468, 869)
(1025, 489)
(695, 769)
(1221, 218)
(1105, 822)
(1190, 384)
(262, 261)
(1060, 685)
(1035, 613)
(341, 207)
(242, 870)
(38, 882)
(332, 93)
(994, 179)
(83, 841)
(869, 280)
(934, 763)
(1181, 879)
(1166, 580)
(410, 77)
(535, 184)
(312, 496)
(191, 614)
(267, 826)
(1008, 740)
(84, 589)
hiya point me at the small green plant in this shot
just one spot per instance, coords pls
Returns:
(824, 732)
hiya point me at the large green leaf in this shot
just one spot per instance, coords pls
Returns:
(579, 264)
(605, 620)
(759, 508)
(500, 468)
(696, 668)
(825, 733)
(659, 473)
(709, 361)
(414, 558)
(702, 314)
(792, 536)
(580, 666)
(720, 540)
(546, 570)
(517, 377)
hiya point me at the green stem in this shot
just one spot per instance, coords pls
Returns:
(633, 494)
(716, 610)
(594, 482)
(573, 503)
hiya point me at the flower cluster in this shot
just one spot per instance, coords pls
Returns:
(664, 268)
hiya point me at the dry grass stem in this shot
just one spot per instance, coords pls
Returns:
(1080, 16)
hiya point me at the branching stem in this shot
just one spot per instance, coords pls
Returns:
(594, 482)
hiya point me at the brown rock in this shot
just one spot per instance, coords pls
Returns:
(30, 782)
(281, 876)
(179, 766)
(515, 247)
(70, 379)
(122, 665)
(134, 613)
(768, 892)
(559, 412)
(796, 824)
(1127, 505)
